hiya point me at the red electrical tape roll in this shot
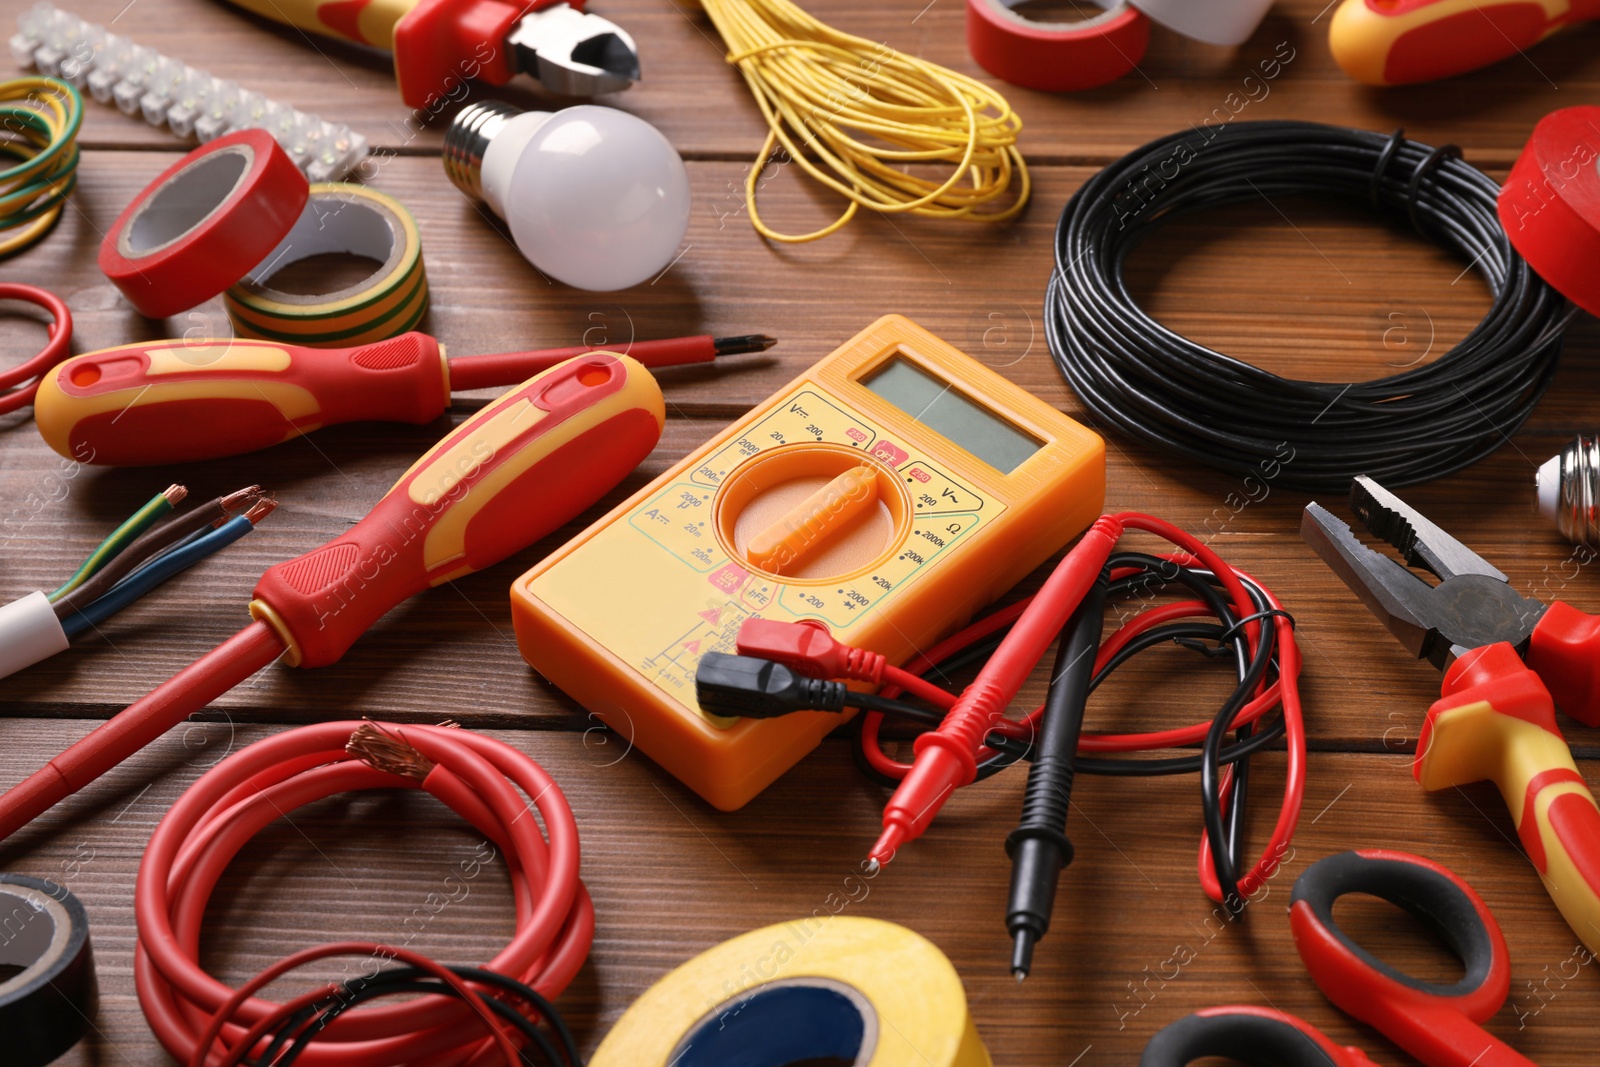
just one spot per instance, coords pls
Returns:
(1550, 203)
(204, 223)
(1056, 56)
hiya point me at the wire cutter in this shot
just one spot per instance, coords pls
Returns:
(439, 44)
(1504, 655)
(1439, 1024)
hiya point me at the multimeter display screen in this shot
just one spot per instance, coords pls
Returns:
(939, 406)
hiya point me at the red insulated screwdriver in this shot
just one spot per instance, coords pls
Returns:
(517, 470)
(174, 401)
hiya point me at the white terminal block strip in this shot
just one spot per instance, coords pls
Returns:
(29, 632)
(191, 102)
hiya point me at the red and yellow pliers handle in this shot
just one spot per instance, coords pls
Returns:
(1496, 721)
(1400, 42)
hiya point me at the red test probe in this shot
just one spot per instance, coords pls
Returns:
(182, 400)
(948, 757)
(520, 468)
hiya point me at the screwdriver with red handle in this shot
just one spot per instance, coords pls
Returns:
(517, 470)
(174, 401)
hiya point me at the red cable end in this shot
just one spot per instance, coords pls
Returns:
(809, 649)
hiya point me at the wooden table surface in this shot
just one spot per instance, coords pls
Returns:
(1309, 289)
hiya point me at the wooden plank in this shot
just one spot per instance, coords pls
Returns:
(705, 109)
(1361, 690)
(1318, 291)
(487, 299)
(1107, 976)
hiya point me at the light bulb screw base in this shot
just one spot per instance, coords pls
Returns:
(467, 138)
(1575, 474)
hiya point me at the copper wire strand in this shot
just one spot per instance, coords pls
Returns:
(158, 539)
(378, 748)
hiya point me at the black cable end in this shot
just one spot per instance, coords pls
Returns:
(751, 688)
(1022, 952)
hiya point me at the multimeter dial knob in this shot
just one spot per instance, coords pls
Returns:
(812, 512)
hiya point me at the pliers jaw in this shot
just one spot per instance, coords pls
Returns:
(574, 53)
(1473, 605)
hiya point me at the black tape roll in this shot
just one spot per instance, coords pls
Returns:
(47, 986)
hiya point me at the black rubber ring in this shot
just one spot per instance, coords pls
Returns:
(1375, 191)
(1429, 163)
(50, 995)
(1428, 895)
(1252, 1039)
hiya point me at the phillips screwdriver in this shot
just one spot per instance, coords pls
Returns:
(517, 470)
(175, 401)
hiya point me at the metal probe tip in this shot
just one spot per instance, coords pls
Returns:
(1022, 953)
(873, 866)
(749, 342)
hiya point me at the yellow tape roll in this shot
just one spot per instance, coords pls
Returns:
(869, 993)
(338, 218)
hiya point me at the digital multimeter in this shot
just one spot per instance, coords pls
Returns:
(889, 492)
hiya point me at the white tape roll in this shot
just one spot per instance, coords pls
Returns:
(1227, 22)
(29, 632)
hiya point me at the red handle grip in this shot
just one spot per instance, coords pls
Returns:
(1496, 720)
(520, 468)
(172, 401)
(1565, 651)
(1437, 1023)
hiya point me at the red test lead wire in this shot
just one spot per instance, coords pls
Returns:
(948, 757)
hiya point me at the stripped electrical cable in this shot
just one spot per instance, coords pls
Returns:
(123, 536)
(153, 542)
(146, 550)
(164, 566)
(201, 1021)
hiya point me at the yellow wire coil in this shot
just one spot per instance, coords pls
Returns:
(39, 121)
(853, 114)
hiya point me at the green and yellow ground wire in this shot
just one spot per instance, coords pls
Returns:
(39, 121)
(137, 523)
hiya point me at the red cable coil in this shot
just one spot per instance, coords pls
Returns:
(477, 777)
(27, 374)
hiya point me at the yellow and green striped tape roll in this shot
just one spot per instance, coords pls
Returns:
(351, 219)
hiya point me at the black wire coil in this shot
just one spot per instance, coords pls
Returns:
(1162, 388)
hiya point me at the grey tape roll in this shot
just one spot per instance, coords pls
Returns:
(47, 985)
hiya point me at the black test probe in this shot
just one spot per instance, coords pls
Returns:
(1039, 847)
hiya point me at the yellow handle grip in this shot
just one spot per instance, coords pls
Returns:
(1400, 42)
(519, 469)
(1496, 721)
(369, 22)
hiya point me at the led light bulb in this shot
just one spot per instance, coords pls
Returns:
(1568, 485)
(595, 198)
